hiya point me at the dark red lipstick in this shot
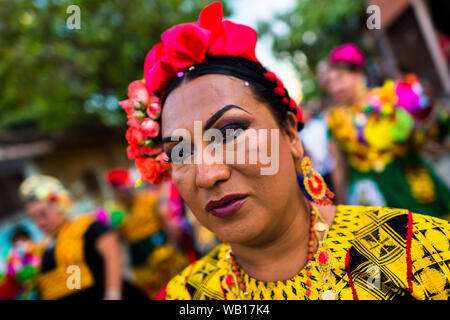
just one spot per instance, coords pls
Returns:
(226, 206)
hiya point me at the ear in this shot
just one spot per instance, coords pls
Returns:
(295, 144)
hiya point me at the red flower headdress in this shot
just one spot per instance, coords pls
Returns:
(182, 47)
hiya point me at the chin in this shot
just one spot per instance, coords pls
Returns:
(240, 232)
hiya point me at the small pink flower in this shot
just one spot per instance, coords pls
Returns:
(134, 136)
(127, 105)
(149, 128)
(229, 280)
(138, 92)
(102, 216)
(323, 257)
(154, 111)
(133, 151)
(133, 122)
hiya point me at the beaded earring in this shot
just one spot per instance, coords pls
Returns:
(315, 185)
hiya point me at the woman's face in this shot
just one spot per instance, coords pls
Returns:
(342, 85)
(256, 206)
(46, 216)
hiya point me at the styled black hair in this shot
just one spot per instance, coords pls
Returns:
(246, 70)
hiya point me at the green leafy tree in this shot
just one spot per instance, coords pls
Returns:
(314, 27)
(54, 78)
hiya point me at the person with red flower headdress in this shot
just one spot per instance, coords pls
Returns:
(150, 230)
(378, 131)
(276, 244)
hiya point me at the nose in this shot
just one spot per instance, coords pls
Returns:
(209, 173)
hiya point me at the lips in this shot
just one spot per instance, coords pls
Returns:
(226, 206)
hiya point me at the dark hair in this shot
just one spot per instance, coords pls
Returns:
(246, 70)
(19, 232)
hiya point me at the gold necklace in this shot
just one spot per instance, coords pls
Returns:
(324, 258)
(233, 284)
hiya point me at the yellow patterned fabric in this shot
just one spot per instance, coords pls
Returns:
(143, 220)
(69, 251)
(369, 245)
(363, 156)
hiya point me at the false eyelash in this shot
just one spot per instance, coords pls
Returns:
(236, 125)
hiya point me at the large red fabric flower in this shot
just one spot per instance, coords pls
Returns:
(188, 44)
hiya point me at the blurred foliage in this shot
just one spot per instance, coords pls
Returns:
(54, 78)
(310, 30)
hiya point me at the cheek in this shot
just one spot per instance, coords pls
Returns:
(278, 180)
(53, 217)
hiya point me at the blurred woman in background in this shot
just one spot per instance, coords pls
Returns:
(380, 134)
(80, 257)
(149, 229)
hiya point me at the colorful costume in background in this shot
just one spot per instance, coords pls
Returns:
(71, 267)
(153, 260)
(378, 254)
(73, 245)
(380, 137)
(22, 265)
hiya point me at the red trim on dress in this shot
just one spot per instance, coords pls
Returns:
(409, 233)
(161, 295)
(223, 291)
(349, 274)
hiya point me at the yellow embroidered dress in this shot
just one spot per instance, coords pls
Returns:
(377, 253)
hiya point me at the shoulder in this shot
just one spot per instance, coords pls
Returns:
(87, 225)
(410, 249)
(198, 275)
(400, 220)
(371, 215)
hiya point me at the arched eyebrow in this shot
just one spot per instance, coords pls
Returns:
(210, 122)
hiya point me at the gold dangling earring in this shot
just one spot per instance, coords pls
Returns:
(315, 185)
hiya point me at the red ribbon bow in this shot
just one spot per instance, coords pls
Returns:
(188, 44)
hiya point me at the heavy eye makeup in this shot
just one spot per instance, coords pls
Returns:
(231, 128)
